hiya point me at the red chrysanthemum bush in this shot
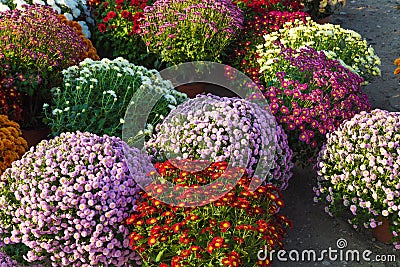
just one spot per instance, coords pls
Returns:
(226, 232)
(12, 145)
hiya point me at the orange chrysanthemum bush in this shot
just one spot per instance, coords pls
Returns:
(227, 231)
(90, 50)
(12, 145)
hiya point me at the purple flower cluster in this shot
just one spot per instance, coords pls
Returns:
(359, 170)
(311, 95)
(191, 29)
(6, 261)
(219, 129)
(67, 200)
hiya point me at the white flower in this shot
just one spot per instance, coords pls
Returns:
(68, 16)
(45, 105)
(121, 121)
(3, 7)
(85, 29)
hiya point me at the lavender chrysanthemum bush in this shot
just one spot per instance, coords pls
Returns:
(190, 30)
(311, 95)
(66, 199)
(358, 171)
(220, 128)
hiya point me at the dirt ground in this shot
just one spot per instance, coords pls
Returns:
(376, 21)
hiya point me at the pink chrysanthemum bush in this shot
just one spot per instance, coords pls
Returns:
(358, 171)
(220, 129)
(64, 202)
(310, 95)
(226, 232)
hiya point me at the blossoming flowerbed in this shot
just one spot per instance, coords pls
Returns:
(77, 199)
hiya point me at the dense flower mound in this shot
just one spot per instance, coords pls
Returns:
(190, 30)
(35, 47)
(12, 144)
(221, 128)
(338, 43)
(64, 201)
(358, 170)
(95, 95)
(310, 95)
(226, 232)
(73, 10)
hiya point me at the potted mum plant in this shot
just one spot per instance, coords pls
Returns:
(225, 232)
(345, 45)
(95, 95)
(310, 95)
(63, 202)
(36, 47)
(358, 171)
(207, 127)
(190, 30)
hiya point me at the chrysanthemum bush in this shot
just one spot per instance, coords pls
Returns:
(95, 95)
(12, 144)
(190, 30)
(76, 10)
(227, 232)
(36, 46)
(65, 200)
(310, 95)
(221, 128)
(118, 31)
(345, 45)
(358, 171)
(252, 35)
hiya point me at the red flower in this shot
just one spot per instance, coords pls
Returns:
(125, 14)
(102, 27)
(119, 2)
(111, 15)
(152, 240)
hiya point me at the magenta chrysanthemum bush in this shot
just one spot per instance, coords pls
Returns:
(190, 30)
(359, 171)
(310, 96)
(221, 128)
(66, 199)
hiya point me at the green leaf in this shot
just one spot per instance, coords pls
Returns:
(159, 255)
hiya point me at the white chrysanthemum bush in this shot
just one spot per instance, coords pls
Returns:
(359, 171)
(345, 45)
(95, 95)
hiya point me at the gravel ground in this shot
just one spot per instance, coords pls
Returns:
(376, 21)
